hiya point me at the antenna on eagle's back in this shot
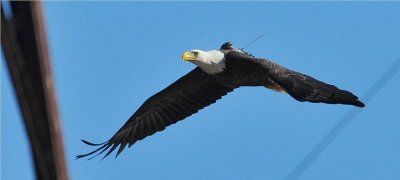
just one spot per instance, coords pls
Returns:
(253, 41)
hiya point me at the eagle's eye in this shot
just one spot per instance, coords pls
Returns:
(195, 53)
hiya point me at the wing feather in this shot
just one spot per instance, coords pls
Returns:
(300, 86)
(181, 99)
(305, 88)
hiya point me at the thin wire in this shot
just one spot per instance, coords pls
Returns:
(253, 41)
(342, 124)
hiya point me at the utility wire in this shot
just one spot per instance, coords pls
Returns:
(342, 124)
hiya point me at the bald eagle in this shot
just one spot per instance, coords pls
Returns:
(218, 72)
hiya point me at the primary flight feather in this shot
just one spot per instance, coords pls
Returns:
(218, 73)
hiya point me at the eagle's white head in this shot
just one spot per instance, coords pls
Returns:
(211, 62)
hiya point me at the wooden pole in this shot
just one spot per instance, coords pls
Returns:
(24, 44)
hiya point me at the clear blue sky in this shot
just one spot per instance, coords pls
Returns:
(108, 58)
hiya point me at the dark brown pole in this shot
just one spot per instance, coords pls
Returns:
(24, 44)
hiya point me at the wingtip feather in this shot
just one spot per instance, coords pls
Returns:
(93, 144)
(104, 146)
(359, 104)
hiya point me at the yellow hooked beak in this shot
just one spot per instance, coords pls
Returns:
(188, 56)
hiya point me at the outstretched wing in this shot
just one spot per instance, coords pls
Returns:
(300, 86)
(306, 88)
(186, 96)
